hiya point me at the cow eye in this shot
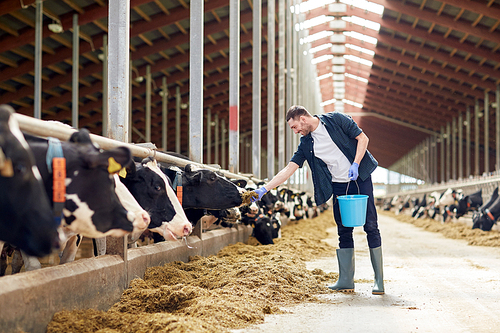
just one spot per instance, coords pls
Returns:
(20, 168)
(158, 188)
(213, 177)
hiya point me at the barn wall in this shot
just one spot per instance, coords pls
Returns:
(29, 300)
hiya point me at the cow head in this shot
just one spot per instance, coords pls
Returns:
(206, 189)
(92, 207)
(26, 220)
(150, 187)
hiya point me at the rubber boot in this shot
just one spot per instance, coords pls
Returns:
(377, 263)
(345, 283)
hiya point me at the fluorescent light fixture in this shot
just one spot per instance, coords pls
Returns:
(316, 36)
(358, 105)
(330, 101)
(320, 47)
(359, 78)
(358, 60)
(56, 28)
(361, 37)
(362, 22)
(324, 76)
(360, 49)
(321, 59)
(366, 5)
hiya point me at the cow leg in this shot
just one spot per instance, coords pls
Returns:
(17, 262)
(99, 246)
(30, 263)
(69, 252)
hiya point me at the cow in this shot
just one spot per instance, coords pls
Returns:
(26, 218)
(419, 209)
(469, 203)
(265, 228)
(482, 218)
(151, 188)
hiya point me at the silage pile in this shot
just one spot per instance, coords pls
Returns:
(454, 230)
(232, 290)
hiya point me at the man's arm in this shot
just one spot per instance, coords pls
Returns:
(282, 176)
(362, 146)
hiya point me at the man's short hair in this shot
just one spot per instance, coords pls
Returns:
(296, 111)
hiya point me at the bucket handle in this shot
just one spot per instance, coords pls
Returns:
(347, 189)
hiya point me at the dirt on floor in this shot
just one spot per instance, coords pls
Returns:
(454, 230)
(234, 289)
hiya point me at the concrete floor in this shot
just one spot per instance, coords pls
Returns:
(433, 284)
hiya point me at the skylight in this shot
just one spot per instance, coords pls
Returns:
(316, 36)
(313, 22)
(321, 59)
(359, 78)
(361, 37)
(320, 47)
(360, 49)
(358, 60)
(324, 76)
(330, 101)
(313, 4)
(362, 22)
(358, 105)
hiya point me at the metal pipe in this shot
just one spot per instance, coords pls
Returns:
(234, 84)
(105, 109)
(147, 130)
(75, 72)
(196, 80)
(178, 119)
(486, 132)
(448, 151)
(442, 149)
(289, 87)
(467, 143)
(37, 101)
(118, 75)
(271, 60)
(130, 110)
(223, 143)
(164, 113)
(256, 87)
(476, 138)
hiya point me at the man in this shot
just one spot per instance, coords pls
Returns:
(336, 150)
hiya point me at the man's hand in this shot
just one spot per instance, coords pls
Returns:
(260, 191)
(353, 171)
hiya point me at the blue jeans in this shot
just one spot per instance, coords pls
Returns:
(371, 225)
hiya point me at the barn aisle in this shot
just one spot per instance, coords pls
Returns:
(433, 284)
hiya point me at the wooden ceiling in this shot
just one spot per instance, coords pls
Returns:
(432, 60)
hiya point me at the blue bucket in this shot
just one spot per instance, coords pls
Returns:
(353, 209)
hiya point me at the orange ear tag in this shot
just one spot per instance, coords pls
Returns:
(59, 177)
(179, 194)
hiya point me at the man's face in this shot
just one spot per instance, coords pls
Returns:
(299, 125)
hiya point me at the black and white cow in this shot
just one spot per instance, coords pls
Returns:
(152, 190)
(26, 218)
(469, 203)
(265, 227)
(484, 219)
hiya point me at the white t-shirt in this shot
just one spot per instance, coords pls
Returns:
(327, 150)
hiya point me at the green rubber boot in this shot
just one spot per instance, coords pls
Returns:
(377, 263)
(345, 283)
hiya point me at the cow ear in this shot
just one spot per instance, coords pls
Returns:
(114, 160)
(189, 168)
(131, 169)
(195, 178)
(240, 182)
(81, 136)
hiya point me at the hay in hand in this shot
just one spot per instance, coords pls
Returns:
(247, 197)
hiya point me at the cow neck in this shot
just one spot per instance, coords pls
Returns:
(177, 185)
(56, 164)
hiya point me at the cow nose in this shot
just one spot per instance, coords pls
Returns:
(187, 230)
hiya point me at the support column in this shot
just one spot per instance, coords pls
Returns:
(448, 151)
(497, 114)
(271, 60)
(105, 110)
(234, 84)
(453, 149)
(281, 85)
(289, 86)
(460, 126)
(468, 171)
(256, 87)
(178, 119)
(486, 132)
(37, 100)
(118, 92)
(164, 113)
(208, 158)
(441, 150)
(197, 12)
(147, 120)
(476, 138)
(223, 144)
(216, 139)
(75, 72)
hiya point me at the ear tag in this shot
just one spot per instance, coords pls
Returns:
(7, 169)
(123, 173)
(113, 166)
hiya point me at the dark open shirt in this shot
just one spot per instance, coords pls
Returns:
(343, 131)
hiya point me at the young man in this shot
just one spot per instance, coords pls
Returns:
(336, 150)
